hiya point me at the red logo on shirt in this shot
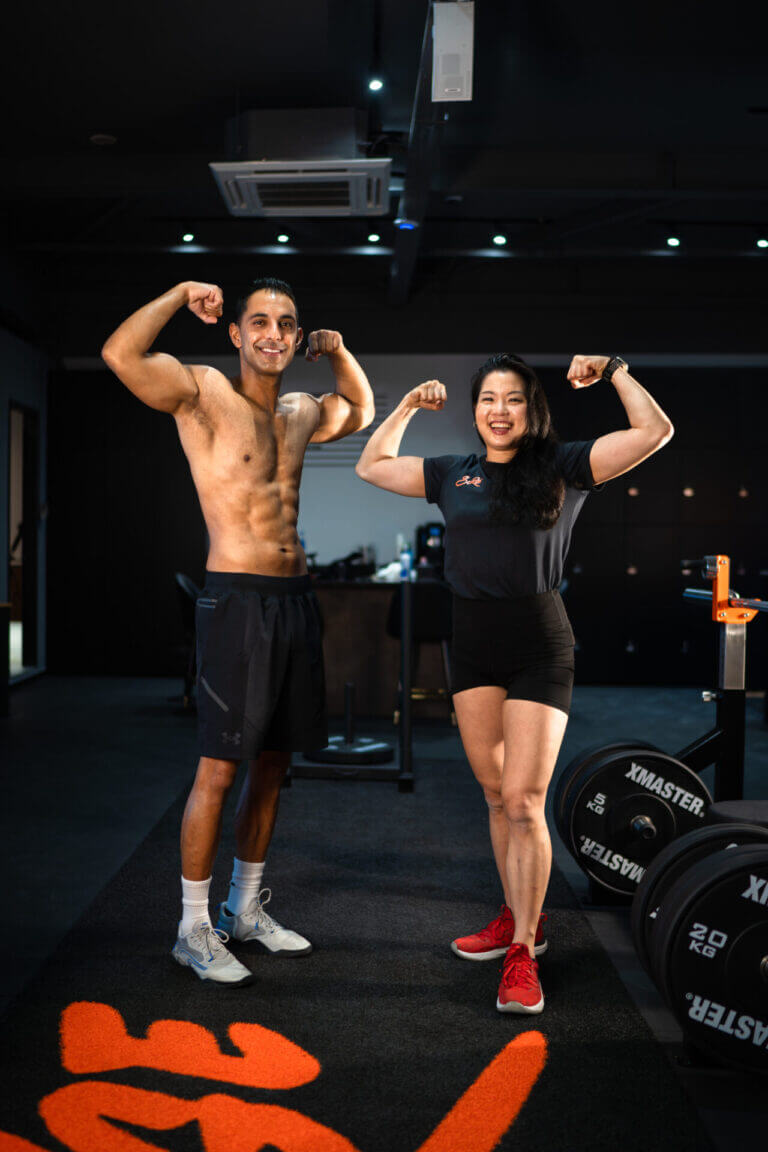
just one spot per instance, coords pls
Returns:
(469, 482)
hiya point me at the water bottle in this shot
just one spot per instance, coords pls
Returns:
(406, 563)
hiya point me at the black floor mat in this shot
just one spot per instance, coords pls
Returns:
(394, 1028)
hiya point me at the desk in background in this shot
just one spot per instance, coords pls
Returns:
(357, 648)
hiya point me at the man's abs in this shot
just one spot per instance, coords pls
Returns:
(246, 467)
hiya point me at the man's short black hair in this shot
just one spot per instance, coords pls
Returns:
(268, 284)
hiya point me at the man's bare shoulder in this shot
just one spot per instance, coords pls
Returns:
(301, 406)
(212, 394)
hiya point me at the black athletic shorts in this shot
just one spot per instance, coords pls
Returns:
(524, 645)
(260, 678)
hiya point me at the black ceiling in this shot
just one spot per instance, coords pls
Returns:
(595, 131)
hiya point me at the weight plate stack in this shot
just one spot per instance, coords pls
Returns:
(739, 812)
(572, 772)
(666, 868)
(709, 955)
(618, 809)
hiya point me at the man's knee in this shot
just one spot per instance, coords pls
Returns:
(215, 775)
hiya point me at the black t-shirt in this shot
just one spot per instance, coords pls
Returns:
(489, 561)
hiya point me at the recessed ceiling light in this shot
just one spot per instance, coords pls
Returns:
(673, 242)
(688, 492)
(375, 84)
(374, 238)
(102, 139)
(499, 240)
(762, 243)
(188, 237)
(283, 238)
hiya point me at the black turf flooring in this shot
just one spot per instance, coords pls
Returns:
(380, 882)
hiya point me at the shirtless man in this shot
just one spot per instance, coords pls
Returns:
(260, 667)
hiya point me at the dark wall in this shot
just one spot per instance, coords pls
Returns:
(634, 305)
(124, 517)
(635, 626)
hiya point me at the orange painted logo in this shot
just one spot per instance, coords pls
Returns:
(94, 1039)
(469, 482)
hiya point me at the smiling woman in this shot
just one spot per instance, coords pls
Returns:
(513, 420)
(509, 517)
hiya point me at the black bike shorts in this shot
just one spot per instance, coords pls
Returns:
(524, 645)
(260, 678)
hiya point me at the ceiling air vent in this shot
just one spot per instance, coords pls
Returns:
(304, 187)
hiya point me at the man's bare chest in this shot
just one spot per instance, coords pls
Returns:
(237, 435)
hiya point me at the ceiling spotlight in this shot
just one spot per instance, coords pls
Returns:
(688, 492)
(673, 242)
(762, 243)
(499, 240)
(375, 84)
(283, 238)
(188, 237)
(404, 224)
(374, 238)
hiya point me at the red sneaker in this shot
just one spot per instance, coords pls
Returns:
(520, 990)
(494, 940)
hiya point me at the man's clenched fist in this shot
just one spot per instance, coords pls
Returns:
(323, 343)
(585, 370)
(205, 300)
(430, 395)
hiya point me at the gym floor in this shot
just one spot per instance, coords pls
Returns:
(78, 805)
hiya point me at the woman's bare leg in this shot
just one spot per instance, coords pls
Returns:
(479, 715)
(533, 734)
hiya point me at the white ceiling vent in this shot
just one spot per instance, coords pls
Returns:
(304, 187)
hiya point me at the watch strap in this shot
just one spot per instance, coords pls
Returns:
(612, 366)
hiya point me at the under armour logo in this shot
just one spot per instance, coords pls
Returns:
(231, 739)
(469, 482)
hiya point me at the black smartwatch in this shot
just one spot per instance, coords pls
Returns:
(612, 366)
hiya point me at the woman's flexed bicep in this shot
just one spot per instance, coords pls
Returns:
(403, 475)
(379, 462)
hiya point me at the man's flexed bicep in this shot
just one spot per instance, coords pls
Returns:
(160, 380)
(351, 407)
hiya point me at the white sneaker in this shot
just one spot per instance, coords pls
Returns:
(203, 951)
(256, 925)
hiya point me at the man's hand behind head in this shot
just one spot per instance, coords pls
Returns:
(205, 300)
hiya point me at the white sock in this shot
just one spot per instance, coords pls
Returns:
(245, 885)
(194, 901)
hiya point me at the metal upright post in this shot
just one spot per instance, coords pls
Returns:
(729, 765)
(405, 777)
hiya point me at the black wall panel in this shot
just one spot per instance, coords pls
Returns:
(124, 517)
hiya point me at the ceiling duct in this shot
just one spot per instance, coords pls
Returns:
(301, 162)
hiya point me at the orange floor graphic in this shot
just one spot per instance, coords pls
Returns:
(94, 1040)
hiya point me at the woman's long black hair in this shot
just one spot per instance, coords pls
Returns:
(529, 489)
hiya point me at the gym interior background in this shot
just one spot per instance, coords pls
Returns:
(620, 159)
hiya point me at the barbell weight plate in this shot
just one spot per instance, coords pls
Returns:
(625, 807)
(709, 955)
(665, 869)
(578, 764)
